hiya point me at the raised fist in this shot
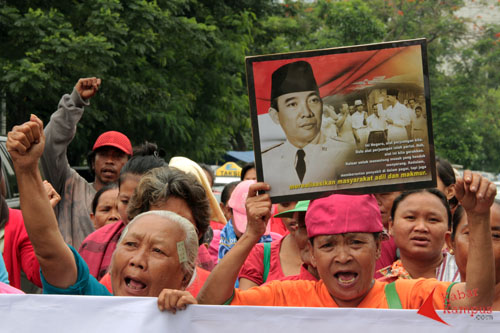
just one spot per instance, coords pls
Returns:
(25, 144)
(88, 87)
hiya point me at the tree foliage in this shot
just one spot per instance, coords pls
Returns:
(168, 76)
(173, 70)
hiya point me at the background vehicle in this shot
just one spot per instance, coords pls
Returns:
(11, 193)
(219, 184)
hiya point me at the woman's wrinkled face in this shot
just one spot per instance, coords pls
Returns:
(127, 188)
(461, 243)
(420, 225)
(106, 210)
(346, 264)
(146, 261)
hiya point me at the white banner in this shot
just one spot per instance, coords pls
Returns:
(92, 314)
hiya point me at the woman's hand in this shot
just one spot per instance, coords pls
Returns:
(173, 300)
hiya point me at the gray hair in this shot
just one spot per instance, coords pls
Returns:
(190, 242)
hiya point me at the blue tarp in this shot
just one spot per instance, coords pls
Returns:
(235, 156)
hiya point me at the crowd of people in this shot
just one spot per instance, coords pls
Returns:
(387, 120)
(145, 227)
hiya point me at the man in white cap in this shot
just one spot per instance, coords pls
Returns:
(307, 155)
(359, 123)
(110, 152)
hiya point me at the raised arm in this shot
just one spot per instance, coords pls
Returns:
(476, 194)
(61, 130)
(25, 144)
(219, 285)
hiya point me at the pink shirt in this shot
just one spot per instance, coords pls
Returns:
(6, 289)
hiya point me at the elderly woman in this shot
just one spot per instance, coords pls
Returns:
(345, 245)
(170, 189)
(156, 251)
(98, 247)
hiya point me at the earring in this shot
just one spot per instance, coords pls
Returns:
(451, 251)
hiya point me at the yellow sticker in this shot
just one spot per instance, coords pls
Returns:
(181, 251)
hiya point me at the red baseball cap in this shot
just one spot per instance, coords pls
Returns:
(237, 204)
(114, 139)
(340, 214)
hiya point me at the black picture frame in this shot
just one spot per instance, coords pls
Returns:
(345, 75)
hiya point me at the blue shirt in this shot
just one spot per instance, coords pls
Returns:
(85, 283)
(4, 275)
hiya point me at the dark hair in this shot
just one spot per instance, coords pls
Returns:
(392, 92)
(245, 169)
(148, 148)
(447, 176)
(226, 192)
(98, 194)
(139, 165)
(457, 216)
(445, 171)
(159, 184)
(434, 191)
(208, 169)
(274, 104)
(418, 108)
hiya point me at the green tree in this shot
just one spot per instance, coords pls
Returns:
(168, 76)
(473, 104)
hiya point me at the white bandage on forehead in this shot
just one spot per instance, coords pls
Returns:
(181, 252)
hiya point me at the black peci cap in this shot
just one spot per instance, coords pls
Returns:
(293, 77)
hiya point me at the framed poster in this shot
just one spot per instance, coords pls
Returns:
(352, 119)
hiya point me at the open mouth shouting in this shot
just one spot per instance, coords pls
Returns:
(135, 287)
(346, 279)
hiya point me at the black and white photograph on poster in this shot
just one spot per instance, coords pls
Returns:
(353, 119)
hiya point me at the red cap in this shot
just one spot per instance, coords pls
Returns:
(340, 214)
(114, 139)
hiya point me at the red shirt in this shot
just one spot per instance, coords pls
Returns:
(387, 256)
(97, 249)
(277, 224)
(18, 252)
(253, 268)
(303, 275)
(216, 225)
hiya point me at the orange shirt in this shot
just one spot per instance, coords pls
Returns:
(412, 294)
